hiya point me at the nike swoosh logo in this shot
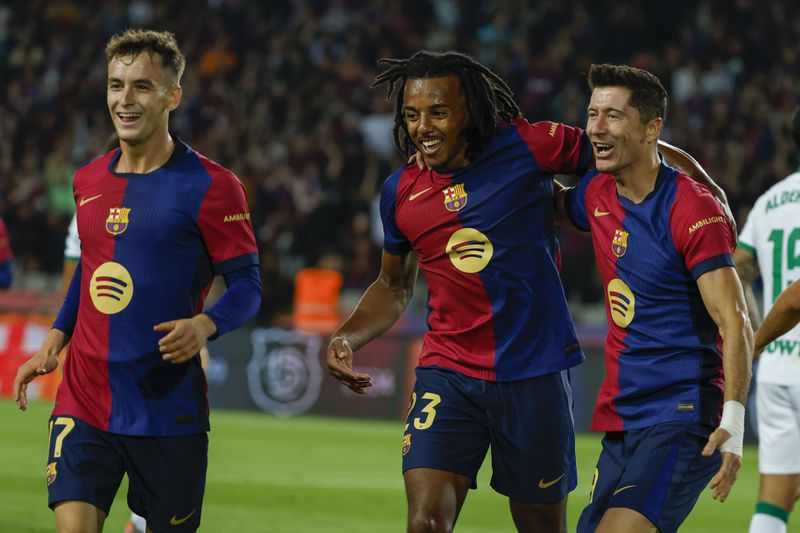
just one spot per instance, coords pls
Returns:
(544, 485)
(411, 198)
(626, 487)
(175, 521)
(85, 201)
(599, 213)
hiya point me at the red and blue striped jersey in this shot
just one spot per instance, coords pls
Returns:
(663, 350)
(150, 246)
(485, 241)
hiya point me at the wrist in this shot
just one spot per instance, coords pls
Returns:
(206, 325)
(733, 422)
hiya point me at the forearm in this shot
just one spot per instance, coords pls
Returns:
(376, 311)
(54, 342)
(752, 307)
(737, 337)
(678, 158)
(68, 315)
(783, 316)
(239, 302)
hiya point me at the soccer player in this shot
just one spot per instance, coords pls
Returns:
(770, 244)
(663, 248)
(6, 255)
(479, 223)
(156, 221)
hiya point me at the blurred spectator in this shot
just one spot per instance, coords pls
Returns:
(281, 96)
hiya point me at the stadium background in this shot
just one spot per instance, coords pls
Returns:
(278, 91)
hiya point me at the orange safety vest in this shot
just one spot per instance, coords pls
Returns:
(316, 299)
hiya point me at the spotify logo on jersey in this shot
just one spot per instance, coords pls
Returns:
(469, 250)
(621, 301)
(111, 288)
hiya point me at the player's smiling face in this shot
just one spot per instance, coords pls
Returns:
(616, 131)
(140, 96)
(435, 114)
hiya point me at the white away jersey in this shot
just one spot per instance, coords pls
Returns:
(772, 233)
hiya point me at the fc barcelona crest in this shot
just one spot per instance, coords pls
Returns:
(51, 473)
(620, 243)
(117, 221)
(455, 197)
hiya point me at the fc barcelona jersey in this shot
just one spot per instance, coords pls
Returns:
(150, 246)
(485, 242)
(663, 351)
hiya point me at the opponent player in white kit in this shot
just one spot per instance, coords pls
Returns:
(770, 244)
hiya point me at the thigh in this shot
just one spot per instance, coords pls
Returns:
(778, 428)
(446, 428)
(84, 464)
(533, 439)
(167, 480)
(78, 516)
(434, 498)
(535, 517)
(665, 473)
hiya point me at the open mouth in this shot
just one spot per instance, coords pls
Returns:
(430, 146)
(603, 149)
(128, 118)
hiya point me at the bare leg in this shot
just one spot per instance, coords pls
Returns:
(78, 517)
(534, 517)
(434, 498)
(779, 490)
(622, 520)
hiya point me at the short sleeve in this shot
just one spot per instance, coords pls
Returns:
(224, 221)
(700, 230)
(394, 242)
(575, 202)
(558, 148)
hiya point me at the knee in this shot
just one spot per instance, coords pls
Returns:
(427, 521)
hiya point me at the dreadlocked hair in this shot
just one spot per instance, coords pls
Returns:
(490, 102)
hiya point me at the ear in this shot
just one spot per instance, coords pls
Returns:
(653, 130)
(175, 95)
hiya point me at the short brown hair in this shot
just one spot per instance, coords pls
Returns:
(134, 42)
(648, 96)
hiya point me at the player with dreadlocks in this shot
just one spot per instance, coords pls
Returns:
(478, 220)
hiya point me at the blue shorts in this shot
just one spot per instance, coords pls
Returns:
(453, 419)
(167, 475)
(656, 471)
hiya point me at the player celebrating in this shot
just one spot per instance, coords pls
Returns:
(767, 244)
(663, 247)
(156, 221)
(479, 224)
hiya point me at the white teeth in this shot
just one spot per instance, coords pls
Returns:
(430, 143)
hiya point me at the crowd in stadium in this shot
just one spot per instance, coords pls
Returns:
(279, 92)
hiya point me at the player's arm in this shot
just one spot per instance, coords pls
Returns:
(783, 316)
(747, 269)
(46, 359)
(239, 303)
(724, 299)
(675, 157)
(6, 274)
(380, 307)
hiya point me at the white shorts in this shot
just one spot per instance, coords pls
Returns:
(778, 428)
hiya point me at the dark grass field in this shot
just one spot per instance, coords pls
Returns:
(308, 475)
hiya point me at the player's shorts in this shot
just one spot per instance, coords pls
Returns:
(656, 471)
(778, 408)
(453, 419)
(167, 475)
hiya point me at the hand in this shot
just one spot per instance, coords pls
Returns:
(416, 157)
(44, 362)
(729, 470)
(185, 337)
(340, 366)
